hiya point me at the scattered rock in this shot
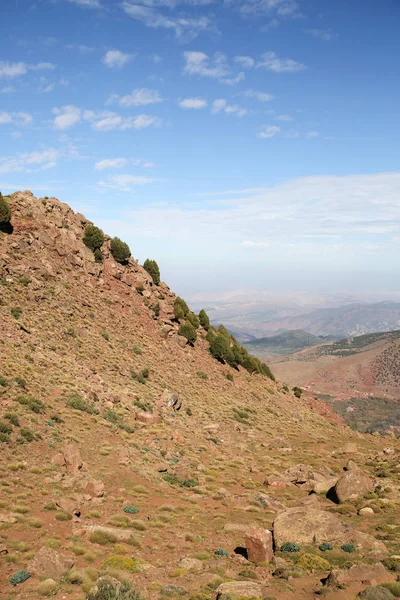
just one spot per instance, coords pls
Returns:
(7, 518)
(367, 511)
(3, 550)
(174, 590)
(239, 589)
(358, 573)
(376, 593)
(69, 458)
(349, 448)
(191, 564)
(95, 488)
(259, 545)
(275, 482)
(322, 487)
(170, 399)
(49, 564)
(352, 484)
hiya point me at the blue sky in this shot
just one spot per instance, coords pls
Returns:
(242, 144)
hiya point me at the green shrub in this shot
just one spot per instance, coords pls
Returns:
(20, 381)
(102, 537)
(98, 257)
(348, 548)
(141, 377)
(325, 546)
(193, 320)
(5, 213)
(27, 434)
(223, 331)
(181, 309)
(156, 309)
(153, 270)
(112, 590)
(221, 552)
(120, 250)
(188, 331)
(392, 586)
(290, 547)
(13, 418)
(297, 391)
(175, 480)
(93, 238)
(4, 438)
(221, 350)
(34, 404)
(3, 381)
(16, 312)
(204, 319)
(229, 376)
(313, 562)
(19, 577)
(75, 401)
(5, 428)
(131, 510)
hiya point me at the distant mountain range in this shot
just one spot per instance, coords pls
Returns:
(284, 343)
(350, 320)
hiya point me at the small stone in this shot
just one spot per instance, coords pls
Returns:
(367, 511)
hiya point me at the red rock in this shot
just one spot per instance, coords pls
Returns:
(259, 545)
(95, 488)
(279, 484)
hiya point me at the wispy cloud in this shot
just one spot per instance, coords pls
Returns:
(103, 120)
(110, 163)
(272, 62)
(269, 131)
(138, 97)
(230, 109)
(186, 28)
(115, 59)
(199, 63)
(193, 103)
(321, 34)
(29, 161)
(246, 62)
(66, 116)
(260, 96)
(86, 3)
(124, 183)
(16, 69)
(15, 118)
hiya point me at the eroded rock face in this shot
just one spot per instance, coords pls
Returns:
(239, 589)
(69, 458)
(259, 545)
(48, 563)
(352, 484)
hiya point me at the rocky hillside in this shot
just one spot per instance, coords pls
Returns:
(135, 465)
(363, 365)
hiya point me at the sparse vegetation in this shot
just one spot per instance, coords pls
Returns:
(73, 400)
(93, 238)
(5, 214)
(188, 331)
(204, 319)
(290, 547)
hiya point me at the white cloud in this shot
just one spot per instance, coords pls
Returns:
(29, 161)
(322, 34)
(313, 134)
(285, 118)
(222, 105)
(186, 28)
(124, 183)
(8, 69)
(246, 62)
(269, 131)
(108, 121)
(233, 80)
(82, 48)
(292, 134)
(260, 96)
(115, 59)
(66, 116)
(138, 97)
(195, 103)
(16, 118)
(86, 3)
(8, 89)
(110, 163)
(199, 63)
(272, 62)
(251, 244)
(278, 8)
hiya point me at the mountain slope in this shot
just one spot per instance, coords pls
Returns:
(89, 437)
(350, 320)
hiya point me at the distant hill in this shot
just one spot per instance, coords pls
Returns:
(283, 343)
(345, 321)
(363, 365)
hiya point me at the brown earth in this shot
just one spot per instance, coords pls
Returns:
(89, 440)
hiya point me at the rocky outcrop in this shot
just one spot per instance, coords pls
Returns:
(353, 484)
(239, 589)
(367, 574)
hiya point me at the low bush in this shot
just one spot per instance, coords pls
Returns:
(188, 331)
(34, 404)
(93, 238)
(350, 548)
(75, 401)
(109, 589)
(131, 510)
(204, 319)
(325, 546)
(153, 270)
(181, 309)
(290, 547)
(313, 562)
(19, 577)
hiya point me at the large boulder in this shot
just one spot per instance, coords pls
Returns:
(234, 590)
(306, 526)
(47, 563)
(259, 545)
(376, 593)
(358, 573)
(353, 484)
